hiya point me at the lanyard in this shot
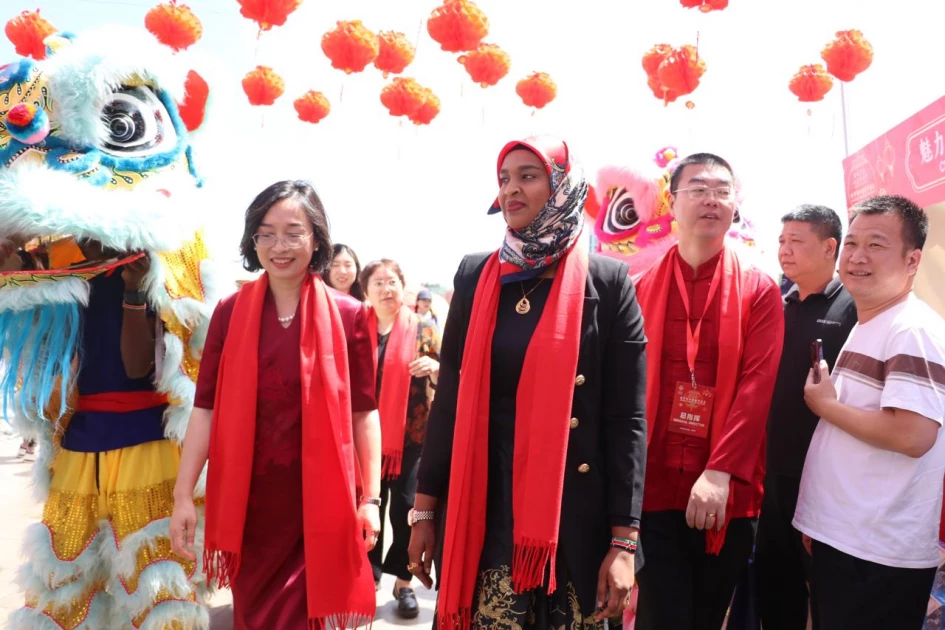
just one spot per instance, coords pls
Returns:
(692, 335)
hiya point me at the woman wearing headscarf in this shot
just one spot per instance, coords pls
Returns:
(539, 442)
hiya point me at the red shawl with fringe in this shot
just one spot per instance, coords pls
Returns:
(542, 415)
(339, 581)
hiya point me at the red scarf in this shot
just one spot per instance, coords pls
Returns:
(339, 582)
(395, 385)
(653, 289)
(542, 415)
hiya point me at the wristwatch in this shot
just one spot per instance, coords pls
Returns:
(415, 516)
(136, 298)
(371, 501)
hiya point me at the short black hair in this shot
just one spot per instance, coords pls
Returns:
(355, 290)
(824, 221)
(709, 159)
(915, 222)
(303, 193)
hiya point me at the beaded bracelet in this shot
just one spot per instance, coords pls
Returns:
(134, 307)
(626, 544)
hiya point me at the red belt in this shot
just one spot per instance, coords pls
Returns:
(121, 402)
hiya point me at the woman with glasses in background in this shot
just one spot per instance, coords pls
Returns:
(285, 392)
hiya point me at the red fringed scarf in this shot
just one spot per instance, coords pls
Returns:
(543, 411)
(339, 582)
(395, 386)
(653, 289)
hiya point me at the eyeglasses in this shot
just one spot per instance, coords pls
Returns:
(696, 193)
(292, 241)
(386, 284)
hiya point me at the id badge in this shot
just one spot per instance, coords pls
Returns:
(692, 409)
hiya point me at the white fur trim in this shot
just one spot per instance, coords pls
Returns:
(39, 201)
(62, 597)
(185, 615)
(33, 619)
(167, 576)
(43, 563)
(83, 74)
(66, 291)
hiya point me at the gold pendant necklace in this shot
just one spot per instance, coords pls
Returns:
(523, 305)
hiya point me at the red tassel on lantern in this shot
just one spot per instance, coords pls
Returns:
(705, 5)
(174, 25)
(268, 13)
(428, 110)
(395, 53)
(194, 107)
(263, 86)
(811, 83)
(537, 90)
(350, 46)
(27, 32)
(403, 96)
(458, 25)
(682, 70)
(486, 65)
(847, 55)
(312, 106)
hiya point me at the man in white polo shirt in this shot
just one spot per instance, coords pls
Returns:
(871, 491)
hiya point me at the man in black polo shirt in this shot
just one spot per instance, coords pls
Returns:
(816, 307)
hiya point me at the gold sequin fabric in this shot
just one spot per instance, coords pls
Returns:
(163, 596)
(70, 616)
(72, 519)
(497, 607)
(182, 280)
(158, 551)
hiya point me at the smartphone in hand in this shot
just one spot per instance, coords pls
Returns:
(816, 356)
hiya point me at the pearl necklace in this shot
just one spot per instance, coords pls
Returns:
(287, 319)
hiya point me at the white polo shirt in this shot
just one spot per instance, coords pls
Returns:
(868, 502)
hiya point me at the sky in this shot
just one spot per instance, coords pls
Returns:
(420, 194)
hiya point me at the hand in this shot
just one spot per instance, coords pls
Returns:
(424, 366)
(133, 273)
(420, 551)
(805, 539)
(707, 500)
(183, 527)
(369, 519)
(819, 395)
(614, 581)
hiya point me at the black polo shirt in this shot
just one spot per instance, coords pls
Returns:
(829, 316)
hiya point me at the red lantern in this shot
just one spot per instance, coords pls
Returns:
(537, 90)
(458, 25)
(680, 72)
(705, 5)
(403, 96)
(174, 25)
(268, 13)
(428, 110)
(487, 64)
(27, 32)
(395, 52)
(654, 57)
(312, 106)
(350, 46)
(263, 86)
(811, 83)
(847, 55)
(660, 92)
(194, 107)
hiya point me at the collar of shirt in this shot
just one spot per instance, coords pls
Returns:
(794, 293)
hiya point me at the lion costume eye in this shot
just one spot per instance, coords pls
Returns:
(137, 122)
(621, 213)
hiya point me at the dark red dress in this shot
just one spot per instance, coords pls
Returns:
(269, 590)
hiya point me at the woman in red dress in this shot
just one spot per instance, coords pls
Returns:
(285, 400)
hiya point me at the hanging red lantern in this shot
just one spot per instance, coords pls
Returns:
(350, 46)
(682, 70)
(263, 86)
(428, 110)
(660, 92)
(403, 96)
(174, 25)
(486, 65)
(537, 90)
(458, 25)
(847, 55)
(312, 107)
(194, 107)
(268, 13)
(705, 5)
(654, 57)
(395, 52)
(27, 32)
(811, 83)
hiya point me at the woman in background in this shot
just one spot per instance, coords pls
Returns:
(344, 271)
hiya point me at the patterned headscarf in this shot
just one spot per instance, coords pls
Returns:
(526, 253)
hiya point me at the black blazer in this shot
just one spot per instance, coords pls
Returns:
(606, 457)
